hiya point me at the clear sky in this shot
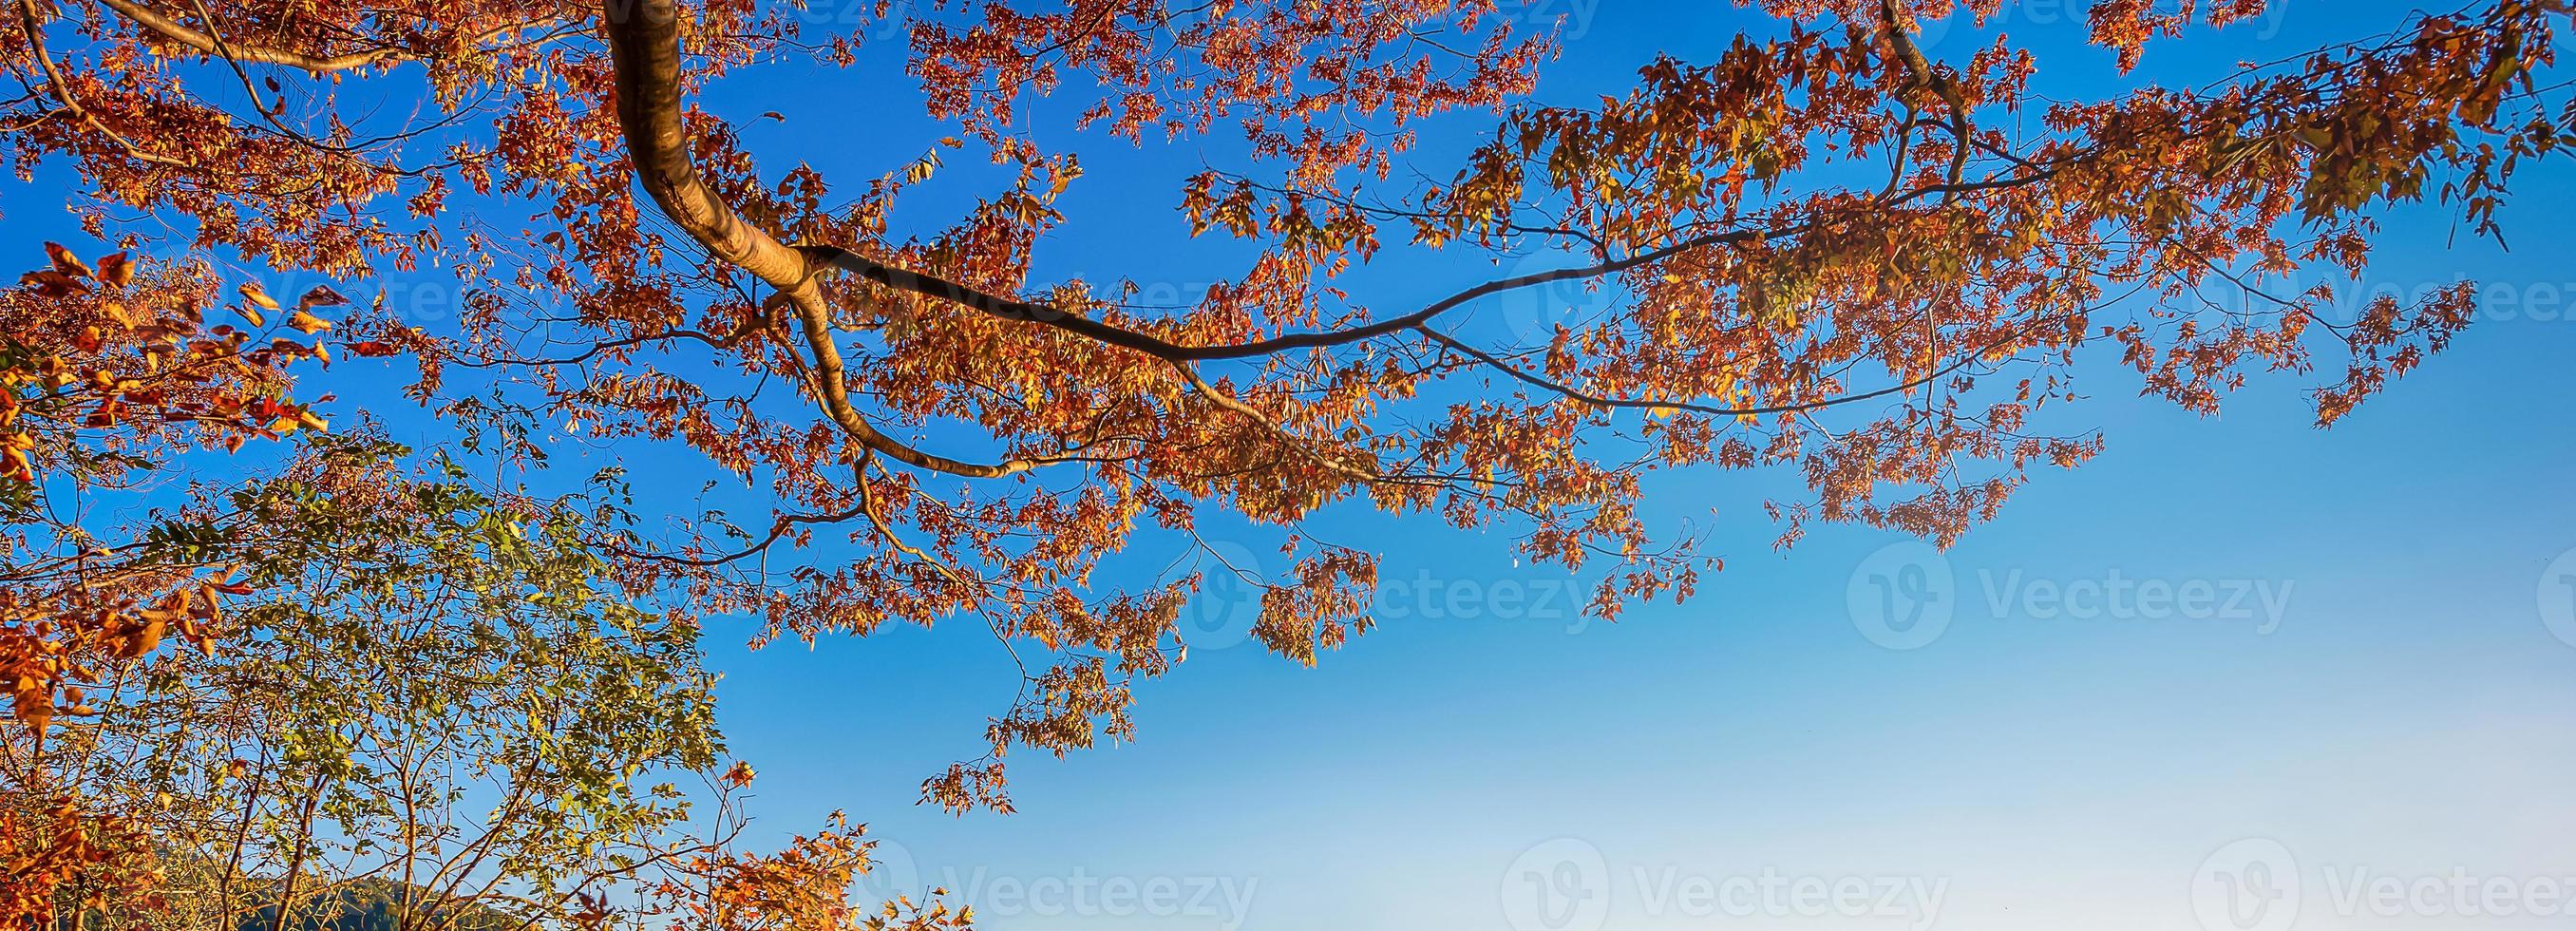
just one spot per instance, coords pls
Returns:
(2348, 680)
(2370, 683)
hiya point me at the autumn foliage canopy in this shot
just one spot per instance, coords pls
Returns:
(1825, 251)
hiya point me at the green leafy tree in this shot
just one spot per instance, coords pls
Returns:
(444, 701)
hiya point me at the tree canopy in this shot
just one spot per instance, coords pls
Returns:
(1825, 251)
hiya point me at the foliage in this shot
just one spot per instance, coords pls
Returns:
(442, 691)
(110, 372)
(1824, 252)
(379, 905)
(392, 683)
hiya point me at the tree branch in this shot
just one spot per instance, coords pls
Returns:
(34, 26)
(1897, 25)
(206, 42)
(644, 44)
(1593, 400)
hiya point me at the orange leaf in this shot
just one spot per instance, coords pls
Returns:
(65, 261)
(320, 296)
(116, 270)
(258, 296)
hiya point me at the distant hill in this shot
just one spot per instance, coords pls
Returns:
(374, 905)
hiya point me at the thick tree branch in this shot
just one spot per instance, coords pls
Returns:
(1011, 309)
(208, 43)
(1897, 25)
(183, 34)
(34, 26)
(644, 43)
(1580, 396)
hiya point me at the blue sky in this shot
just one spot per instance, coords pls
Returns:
(2396, 710)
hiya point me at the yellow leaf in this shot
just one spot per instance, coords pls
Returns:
(259, 297)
